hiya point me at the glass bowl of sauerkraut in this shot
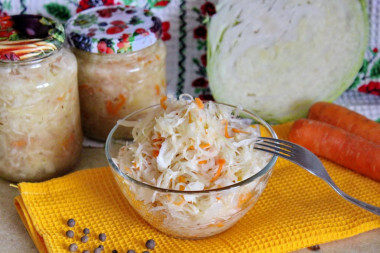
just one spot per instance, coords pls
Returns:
(188, 167)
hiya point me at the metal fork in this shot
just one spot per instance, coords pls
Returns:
(307, 160)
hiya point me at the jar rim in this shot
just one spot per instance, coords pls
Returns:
(29, 37)
(34, 60)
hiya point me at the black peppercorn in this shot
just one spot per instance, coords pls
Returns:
(73, 247)
(84, 239)
(86, 231)
(70, 233)
(150, 244)
(71, 222)
(102, 237)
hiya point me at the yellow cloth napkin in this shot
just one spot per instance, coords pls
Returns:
(295, 211)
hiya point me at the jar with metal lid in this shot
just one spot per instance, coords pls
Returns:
(40, 128)
(121, 64)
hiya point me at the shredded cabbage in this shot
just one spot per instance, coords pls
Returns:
(185, 147)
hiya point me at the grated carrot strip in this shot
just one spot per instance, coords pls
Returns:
(191, 147)
(181, 179)
(158, 139)
(225, 122)
(181, 188)
(135, 165)
(157, 87)
(178, 203)
(199, 103)
(114, 110)
(162, 102)
(221, 162)
(243, 198)
(238, 131)
(204, 145)
(19, 144)
(61, 98)
(219, 224)
(155, 153)
(202, 162)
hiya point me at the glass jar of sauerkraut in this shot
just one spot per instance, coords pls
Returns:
(40, 128)
(121, 64)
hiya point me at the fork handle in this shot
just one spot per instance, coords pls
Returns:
(371, 208)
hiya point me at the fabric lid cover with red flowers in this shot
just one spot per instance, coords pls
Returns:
(113, 29)
(29, 37)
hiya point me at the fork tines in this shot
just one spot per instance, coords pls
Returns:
(275, 146)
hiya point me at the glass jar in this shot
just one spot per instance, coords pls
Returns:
(121, 64)
(40, 128)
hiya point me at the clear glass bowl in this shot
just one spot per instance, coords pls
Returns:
(169, 211)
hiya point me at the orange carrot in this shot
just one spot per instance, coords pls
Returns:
(199, 103)
(221, 162)
(179, 202)
(61, 98)
(135, 165)
(237, 131)
(202, 162)
(114, 110)
(225, 122)
(158, 140)
(162, 102)
(243, 198)
(346, 119)
(181, 179)
(19, 144)
(155, 153)
(204, 145)
(157, 88)
(68, 141)
(338, 145)
(219, 225)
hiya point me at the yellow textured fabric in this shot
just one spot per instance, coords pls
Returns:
(296, 210)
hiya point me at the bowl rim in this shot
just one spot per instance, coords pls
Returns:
(263, 171)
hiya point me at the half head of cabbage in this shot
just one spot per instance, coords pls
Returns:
(277, 58)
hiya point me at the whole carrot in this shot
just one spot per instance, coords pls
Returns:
(338, 145)
(346, 119)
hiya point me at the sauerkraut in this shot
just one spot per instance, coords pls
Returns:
(114, 85)
(40, 131)
(186, 145)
